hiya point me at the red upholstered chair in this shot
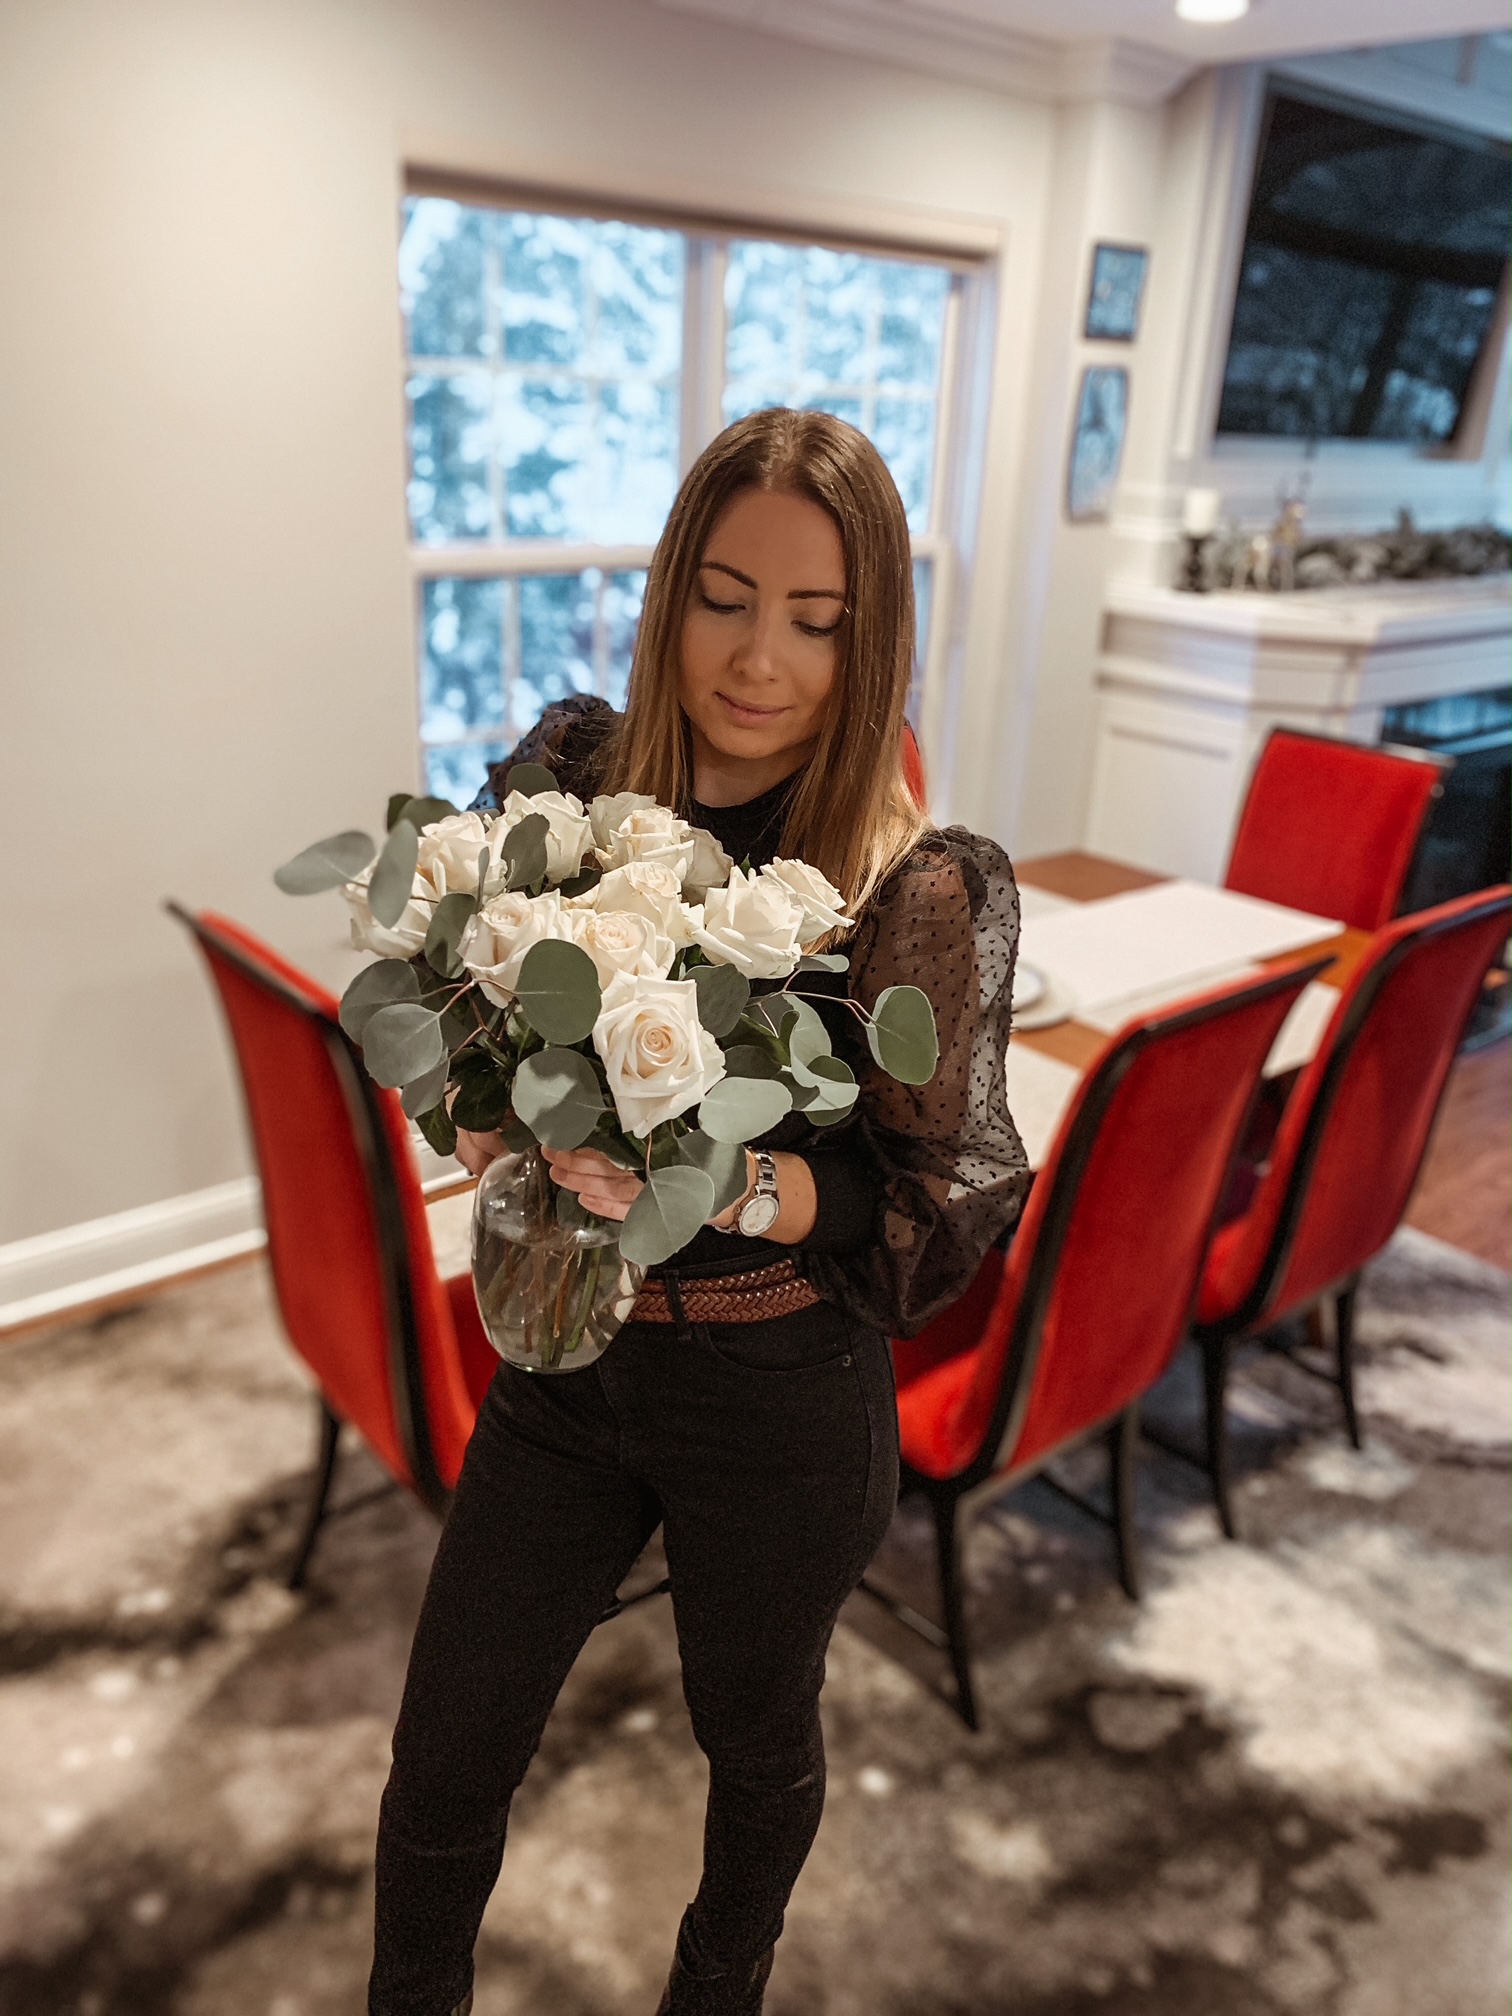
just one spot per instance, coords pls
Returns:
(1348, 1148)
(395, 1350)
(1062, 1334)
(913, 768)
(1331, 827)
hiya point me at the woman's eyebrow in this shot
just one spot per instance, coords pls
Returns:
(794, 595)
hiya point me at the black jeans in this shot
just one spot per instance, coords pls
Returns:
(768, 1452)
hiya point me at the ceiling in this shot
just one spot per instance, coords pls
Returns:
(1136, 48)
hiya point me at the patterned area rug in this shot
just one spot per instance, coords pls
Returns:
(1278, 1784)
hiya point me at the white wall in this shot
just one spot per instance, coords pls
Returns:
(205, 616)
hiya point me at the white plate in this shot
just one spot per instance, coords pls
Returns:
(1028, 985)
(1054, 1003)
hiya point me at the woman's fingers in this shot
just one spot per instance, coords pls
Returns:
(601, 1185)
(476, 1151)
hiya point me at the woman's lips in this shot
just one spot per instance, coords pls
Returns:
(752, 716)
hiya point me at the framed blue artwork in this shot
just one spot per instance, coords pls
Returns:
(1115, 292)
(1102, 412)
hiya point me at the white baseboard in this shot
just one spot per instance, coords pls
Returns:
(130, 1252)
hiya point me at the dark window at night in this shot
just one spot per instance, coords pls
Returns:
(1372, 260)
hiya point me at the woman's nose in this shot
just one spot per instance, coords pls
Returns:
(759, 646)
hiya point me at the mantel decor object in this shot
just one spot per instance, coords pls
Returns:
(1097, 439)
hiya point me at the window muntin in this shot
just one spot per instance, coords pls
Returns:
(546, 358)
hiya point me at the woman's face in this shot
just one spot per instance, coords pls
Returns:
(760, 638)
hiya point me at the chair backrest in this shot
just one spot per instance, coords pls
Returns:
(1331, 826)
(347, 1237)
(1353, 1135)
(913, 768)
(1094, 1295)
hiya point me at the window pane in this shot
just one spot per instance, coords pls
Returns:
(569, 429)
(858, 337)
(459, 773)
(556, 642)
(449, 452)
(441, 278)
(462, 658)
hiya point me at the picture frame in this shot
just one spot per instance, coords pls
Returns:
(1115, 292)
(1097, 441)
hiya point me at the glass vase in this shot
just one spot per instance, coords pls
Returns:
(551, 1295)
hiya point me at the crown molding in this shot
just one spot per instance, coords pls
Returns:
(921, 36)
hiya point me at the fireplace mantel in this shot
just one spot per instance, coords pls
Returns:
(1189, 685)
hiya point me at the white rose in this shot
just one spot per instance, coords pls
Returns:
(568, 832)
(496, 939)
(448, 856)
(709, 868)
(823, 905)
(753, 925)
(658, 1057)
(645, 889)
(621, 941)
(390, 941)
(605, 813)
(650, 833)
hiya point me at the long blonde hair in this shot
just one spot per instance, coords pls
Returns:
(851, 815)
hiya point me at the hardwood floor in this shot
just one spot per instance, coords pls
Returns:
(1464, 1194)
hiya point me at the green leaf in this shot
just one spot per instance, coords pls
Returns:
(377, 986)
(824, 962)
(723, 1162)
(530, 779)
(901, 1035)
(806, 1039)
(396, 805)
(482, 1095)
(557, 1095)
(558, 991)
(402, 1043)
(612, 1143)
(439, 1129)
(738, 1109)
(666, 1215)
(516, 1135)
(747, 1060)
(723, 992)
(418, 812)
(326, 864)
(523, 855)
(394, 875)
(835, 1082)
(773, 1012)
(449, 920)
(587, 877)
(421, 1094)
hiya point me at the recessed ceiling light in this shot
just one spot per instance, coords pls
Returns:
(1212, 10)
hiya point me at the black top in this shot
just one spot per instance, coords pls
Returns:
(918, 1181)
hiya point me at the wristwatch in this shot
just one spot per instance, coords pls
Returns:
(759, 1212)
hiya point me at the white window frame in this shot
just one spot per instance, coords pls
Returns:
(701, 419)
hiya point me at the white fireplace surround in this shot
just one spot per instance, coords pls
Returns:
(1188, 686)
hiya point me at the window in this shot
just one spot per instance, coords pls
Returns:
(1372, 260)
(563, 372)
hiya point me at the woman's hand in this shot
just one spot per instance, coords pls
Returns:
(601, 1185)
(476, 1151)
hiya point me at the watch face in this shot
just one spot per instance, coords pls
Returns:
(759, 1216)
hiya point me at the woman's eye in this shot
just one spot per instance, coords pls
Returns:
(719, 608)
(821, 629)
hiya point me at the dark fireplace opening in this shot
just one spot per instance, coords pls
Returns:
(1467, 842)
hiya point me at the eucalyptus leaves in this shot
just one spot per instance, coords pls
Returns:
(603, 977)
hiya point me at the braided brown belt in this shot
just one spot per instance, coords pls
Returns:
(778, 1290)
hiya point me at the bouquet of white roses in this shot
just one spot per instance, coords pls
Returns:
(603, 977)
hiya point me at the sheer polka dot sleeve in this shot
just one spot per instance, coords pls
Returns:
(952, 1167)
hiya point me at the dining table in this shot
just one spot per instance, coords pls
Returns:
(1046, 1063)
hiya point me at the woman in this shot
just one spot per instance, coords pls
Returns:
(747, 1407)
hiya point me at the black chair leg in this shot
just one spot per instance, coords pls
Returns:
(953, 1604)
(325, 1470)
(1344, 1308)
(1123, 1444)
(1215, 1364)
